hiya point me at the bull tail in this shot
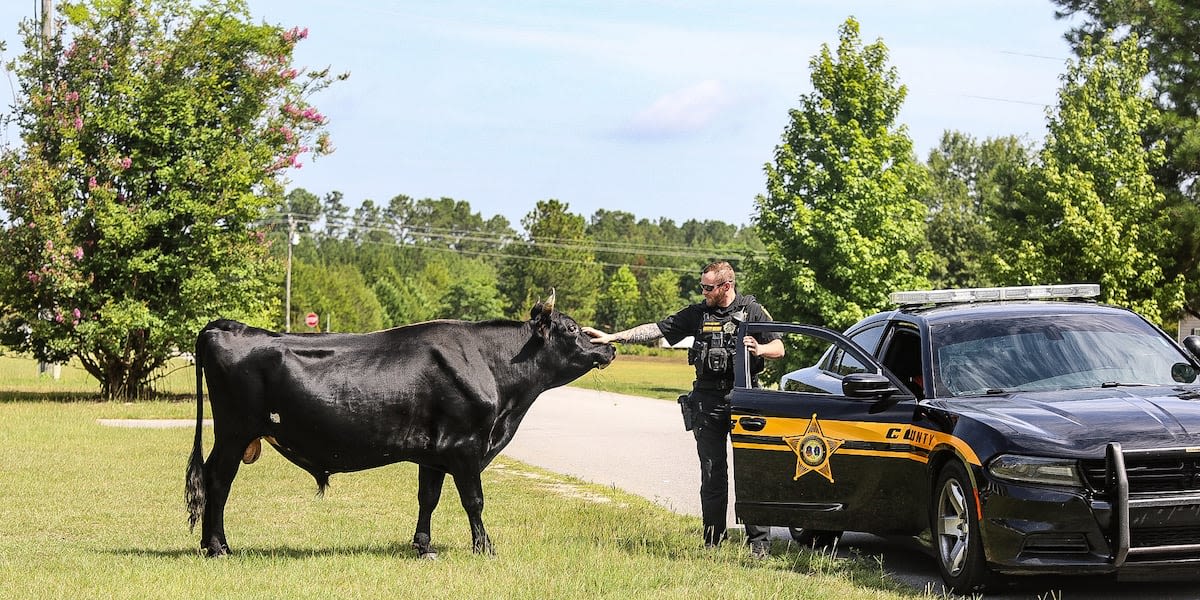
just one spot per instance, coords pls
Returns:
(194, 483)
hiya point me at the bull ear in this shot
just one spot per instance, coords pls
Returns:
(540, 315)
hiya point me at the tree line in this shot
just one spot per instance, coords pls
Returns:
(147, 197)
(415, 260)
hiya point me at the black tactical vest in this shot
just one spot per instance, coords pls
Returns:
(715, 347)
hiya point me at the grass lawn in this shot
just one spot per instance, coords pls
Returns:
(91, 511)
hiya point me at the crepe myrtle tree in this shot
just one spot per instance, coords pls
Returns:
(153, 135)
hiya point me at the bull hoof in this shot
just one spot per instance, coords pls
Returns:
(216, 552)
(424, 546)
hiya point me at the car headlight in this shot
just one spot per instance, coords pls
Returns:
(1030, 469)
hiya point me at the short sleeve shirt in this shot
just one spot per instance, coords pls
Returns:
(688, 320)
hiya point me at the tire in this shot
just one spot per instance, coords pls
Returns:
(814, 538)
(954, 523)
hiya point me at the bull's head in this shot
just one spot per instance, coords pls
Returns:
(565, 338)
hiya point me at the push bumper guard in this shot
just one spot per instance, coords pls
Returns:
(1124, 552)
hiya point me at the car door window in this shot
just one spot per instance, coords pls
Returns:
(868, 339)
(901, 354)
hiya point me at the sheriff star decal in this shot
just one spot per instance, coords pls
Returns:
(813, 450)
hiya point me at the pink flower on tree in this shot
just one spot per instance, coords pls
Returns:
(78, 253)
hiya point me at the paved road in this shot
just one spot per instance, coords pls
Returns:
(639, 445)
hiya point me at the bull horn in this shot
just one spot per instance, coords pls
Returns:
(549, 304)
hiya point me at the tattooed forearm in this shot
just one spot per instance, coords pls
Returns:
(641, 333)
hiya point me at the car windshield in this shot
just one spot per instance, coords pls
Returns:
(1053, 352)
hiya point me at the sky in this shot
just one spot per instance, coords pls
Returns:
(659, 108)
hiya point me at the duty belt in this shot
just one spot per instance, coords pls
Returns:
(722, 386)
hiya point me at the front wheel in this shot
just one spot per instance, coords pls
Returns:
(954, 520)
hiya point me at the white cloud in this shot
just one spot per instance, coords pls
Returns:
(681, 112)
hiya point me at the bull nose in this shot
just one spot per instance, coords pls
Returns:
(607, 354)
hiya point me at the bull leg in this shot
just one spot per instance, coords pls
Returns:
(219, 471)
(470, 492)
(429, 491)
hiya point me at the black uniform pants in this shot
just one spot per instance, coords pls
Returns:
(712, 439)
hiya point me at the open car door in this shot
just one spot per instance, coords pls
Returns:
(827, 451)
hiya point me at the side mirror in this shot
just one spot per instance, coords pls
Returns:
(1192, 343)
(871, 385)
(1183, 373)
(867, 385)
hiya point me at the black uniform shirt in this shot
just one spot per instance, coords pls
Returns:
(688, 320)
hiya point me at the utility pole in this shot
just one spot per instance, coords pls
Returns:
(55, 370)
(293, 239)
(47, 22)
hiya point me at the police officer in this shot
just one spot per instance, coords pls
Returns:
(713, 322)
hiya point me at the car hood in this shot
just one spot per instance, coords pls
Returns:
(1082, 422)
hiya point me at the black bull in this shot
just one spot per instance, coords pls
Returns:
(447, 395)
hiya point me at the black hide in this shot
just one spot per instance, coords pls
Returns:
(447, 395)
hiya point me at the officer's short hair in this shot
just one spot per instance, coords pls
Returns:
(724, 270)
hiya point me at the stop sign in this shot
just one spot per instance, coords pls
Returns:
(311, 319)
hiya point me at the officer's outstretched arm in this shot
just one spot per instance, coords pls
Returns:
(647, 332)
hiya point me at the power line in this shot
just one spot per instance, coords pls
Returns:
(486, 236)
(503, 240)
(1009, 100)
(1028, 55)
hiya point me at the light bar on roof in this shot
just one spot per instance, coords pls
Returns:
(997, 294)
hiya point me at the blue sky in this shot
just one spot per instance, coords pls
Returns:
(660, 108)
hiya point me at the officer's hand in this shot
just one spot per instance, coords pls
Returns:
(751, 345)
(598, 337)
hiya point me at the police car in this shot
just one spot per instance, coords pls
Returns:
(1014, 431)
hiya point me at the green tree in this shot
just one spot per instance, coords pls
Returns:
(304, 208)
(969, 179)
(154, 135)
(1169, 32)
(472, 299)
(391, 301)
(617, 308)
(660, 299)
(558, 255)
(337, 215)
(1090, 212)
(338, 294)
(842, 218)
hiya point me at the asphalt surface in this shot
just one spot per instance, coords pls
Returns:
(639, 445)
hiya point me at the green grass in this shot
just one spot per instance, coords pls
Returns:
(664, 377)
(88, 511)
